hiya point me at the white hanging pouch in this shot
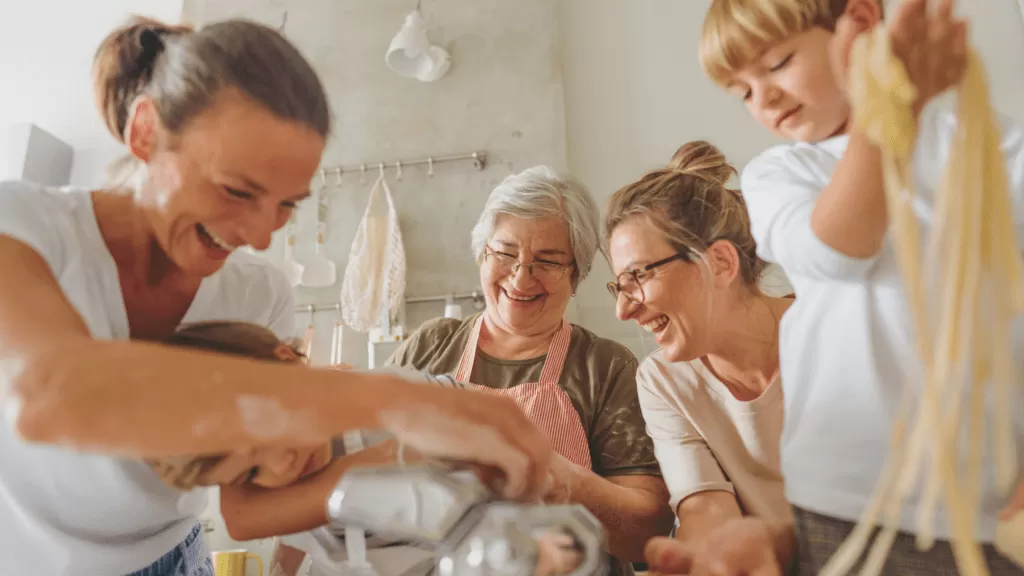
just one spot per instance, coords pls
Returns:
(374, 283)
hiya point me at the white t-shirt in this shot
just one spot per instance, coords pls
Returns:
(846, 347)
(705, 439)
(64, 512)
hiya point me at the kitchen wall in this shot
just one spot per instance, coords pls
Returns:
(634, 92)
(503, 95)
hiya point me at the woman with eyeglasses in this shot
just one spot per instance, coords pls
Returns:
(535, 242)
(687, 272)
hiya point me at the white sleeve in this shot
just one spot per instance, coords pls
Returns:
(780, 195)
(30, 215)
(936, 134)
(687, 463)
(282, 314)
(1012, 146)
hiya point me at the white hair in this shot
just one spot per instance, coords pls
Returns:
(539, 192)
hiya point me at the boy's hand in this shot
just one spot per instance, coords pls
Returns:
(848, 28)
(1015, 505)
(932, 46)
(740, 547)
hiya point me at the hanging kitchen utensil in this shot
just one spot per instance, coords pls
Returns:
(373, 288)
(451, 308)
(319, 271)
(292, 268)
(307, 339)
(337, 340)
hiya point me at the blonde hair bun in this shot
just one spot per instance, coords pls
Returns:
(703, 160)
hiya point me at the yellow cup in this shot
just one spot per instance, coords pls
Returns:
(232, 562)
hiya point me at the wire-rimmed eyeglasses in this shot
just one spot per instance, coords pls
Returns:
(630, 282)
(542, 270)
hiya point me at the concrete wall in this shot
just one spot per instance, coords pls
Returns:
(502, 95)
(635, 92)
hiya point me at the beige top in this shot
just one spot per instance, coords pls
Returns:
(705, 439)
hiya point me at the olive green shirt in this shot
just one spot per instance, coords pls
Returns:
(599, 376)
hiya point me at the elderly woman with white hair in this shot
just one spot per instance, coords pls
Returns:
(535, 242)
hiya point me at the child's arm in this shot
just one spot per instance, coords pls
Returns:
(250, 512)
(286, 560)
(850, 215)
(836, 234)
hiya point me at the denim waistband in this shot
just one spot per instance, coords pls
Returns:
(189, 558)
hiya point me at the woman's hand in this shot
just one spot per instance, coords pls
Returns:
(473, 427)
(561, 479)
(931, 44)
(741, 547)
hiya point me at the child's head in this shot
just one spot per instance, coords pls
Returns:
(680, 244)
(237, 338)
(265, 467)
(776, 56)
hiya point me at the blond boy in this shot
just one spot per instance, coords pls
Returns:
(817, 208)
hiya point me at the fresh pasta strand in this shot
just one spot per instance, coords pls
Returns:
(962, 318)
(958, 278)
(888, 118)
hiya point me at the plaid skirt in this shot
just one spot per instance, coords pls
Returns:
(818, 537)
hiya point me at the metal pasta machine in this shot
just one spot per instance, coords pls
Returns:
(467, 529)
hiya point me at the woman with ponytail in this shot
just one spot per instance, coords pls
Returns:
(687, 271)
(226, 126)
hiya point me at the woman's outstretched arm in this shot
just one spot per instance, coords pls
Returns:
(60, 386)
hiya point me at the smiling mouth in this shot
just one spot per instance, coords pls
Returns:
(522, 299)
(782, 119)
(211, 240)
(656, 325)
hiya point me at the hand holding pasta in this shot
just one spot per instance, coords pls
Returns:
(962, 315)
(931, 46)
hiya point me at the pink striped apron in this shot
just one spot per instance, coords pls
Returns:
(543, 402)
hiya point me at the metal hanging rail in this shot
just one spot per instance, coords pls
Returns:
(478, 158)
(313, 308)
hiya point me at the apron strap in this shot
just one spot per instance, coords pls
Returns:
(552, 370)
(469, 353)
(556, 355)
